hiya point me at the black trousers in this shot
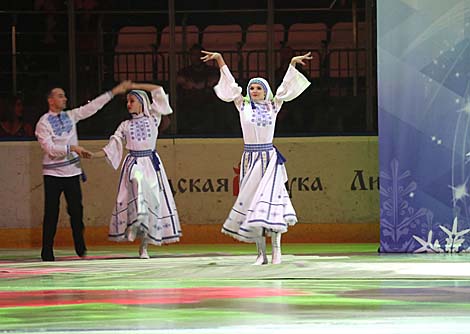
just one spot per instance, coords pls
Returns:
(53, 188)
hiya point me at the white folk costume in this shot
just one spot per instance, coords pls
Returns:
(145, 206)
(56, 133)
(263, 205)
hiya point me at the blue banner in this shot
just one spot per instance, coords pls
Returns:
(424, 125)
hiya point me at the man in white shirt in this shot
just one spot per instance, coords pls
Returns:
(57, 134)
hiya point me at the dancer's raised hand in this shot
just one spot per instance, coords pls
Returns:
(213, 56)
(123, 87)
(300, 59)
(210, 56)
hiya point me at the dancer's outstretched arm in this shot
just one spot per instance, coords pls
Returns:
(114, 149)
(226, 89)
(144, 86)
(98, 155)
(123, 87)
(213, 56)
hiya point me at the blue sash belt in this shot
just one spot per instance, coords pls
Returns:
(147, 153)
(263, 148)
(73, 161)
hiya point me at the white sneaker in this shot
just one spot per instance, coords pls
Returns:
(143, 254)
(261, 259)
(276, 247)
(276, 257)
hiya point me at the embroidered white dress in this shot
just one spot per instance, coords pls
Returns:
(263, 204)
(145, 206)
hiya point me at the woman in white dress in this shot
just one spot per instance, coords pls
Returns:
(263, 207)
(145, 207)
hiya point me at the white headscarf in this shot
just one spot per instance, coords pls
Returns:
(268, 94)
(143, 98)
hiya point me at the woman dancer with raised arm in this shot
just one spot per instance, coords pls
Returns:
(145, 207)
(263, 206)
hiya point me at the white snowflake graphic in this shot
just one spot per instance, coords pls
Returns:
(453, 244)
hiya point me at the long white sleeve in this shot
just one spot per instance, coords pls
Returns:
(160, 104)
(293, 84)
(90, 108)
(227, 89)
(114, 148)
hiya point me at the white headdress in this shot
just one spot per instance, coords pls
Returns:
(143, 98)
(263, 83)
